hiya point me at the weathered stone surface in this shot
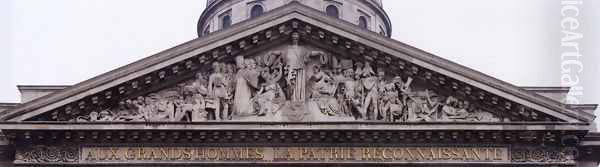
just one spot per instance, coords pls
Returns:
(275, 28)
(297, 79)
(47, 154)
(294, 82)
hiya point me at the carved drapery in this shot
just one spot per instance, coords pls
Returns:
(294, 83)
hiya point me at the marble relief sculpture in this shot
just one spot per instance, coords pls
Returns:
(294, 83)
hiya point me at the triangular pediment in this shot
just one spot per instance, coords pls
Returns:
(336, 72)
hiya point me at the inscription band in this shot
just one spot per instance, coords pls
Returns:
(292, 154)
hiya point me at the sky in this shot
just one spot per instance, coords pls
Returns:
(63, 42)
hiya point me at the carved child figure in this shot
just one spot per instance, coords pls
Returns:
(450, 110)
(463, 112)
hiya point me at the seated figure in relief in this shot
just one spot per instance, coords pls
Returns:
(392, 105)
(165, 106)
(399, 105)
(456, 110)
(139, 105)
(127, 111)
(449, 109)
(428, 107)
(322, 100)
(191, 107)
(462, 111)
(270, 96)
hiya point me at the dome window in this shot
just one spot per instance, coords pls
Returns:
(256, 11)
(225, 21)
(363, 22)
(332, 11)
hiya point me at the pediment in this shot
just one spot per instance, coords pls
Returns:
(334, 72)
(292, 82)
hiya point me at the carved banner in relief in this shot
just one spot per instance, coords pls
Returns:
(293, 83)
(293, 154)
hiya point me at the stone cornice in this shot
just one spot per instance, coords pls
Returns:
(292, 136)
(520, 126)
(42, 87)
(547, 89)
(8, 105)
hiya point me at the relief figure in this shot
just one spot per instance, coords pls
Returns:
(322, 101)
(270, 97)
(246, 81)
(428, 107)
(370, 105)
(294, 60)
(351, 98)
(217, 93)
(294, 83)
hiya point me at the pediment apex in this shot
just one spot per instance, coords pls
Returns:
(268, 31)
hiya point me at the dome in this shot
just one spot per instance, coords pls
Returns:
(367, 14)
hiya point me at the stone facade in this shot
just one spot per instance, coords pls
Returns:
(295, 87)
